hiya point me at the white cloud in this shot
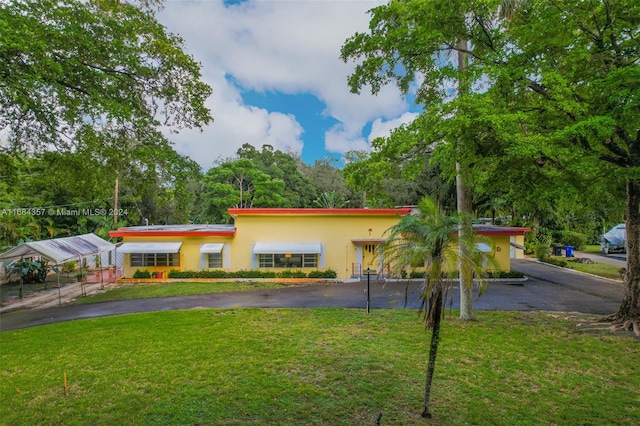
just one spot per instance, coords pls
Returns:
(382, 128)
(276, 46)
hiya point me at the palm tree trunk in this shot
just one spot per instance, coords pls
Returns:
(433, 350)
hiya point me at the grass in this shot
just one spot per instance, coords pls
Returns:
(316, 367)
(599, 269)
(153, 290)
(592, 248)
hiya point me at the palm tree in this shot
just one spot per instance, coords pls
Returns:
(433, 241)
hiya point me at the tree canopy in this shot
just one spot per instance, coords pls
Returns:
(72, 68)
(553, 99)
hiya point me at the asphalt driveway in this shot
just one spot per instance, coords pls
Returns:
(547, 288)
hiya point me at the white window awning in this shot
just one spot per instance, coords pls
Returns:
(484, 247)
(211, 248)
(155, 247)
(287, 248)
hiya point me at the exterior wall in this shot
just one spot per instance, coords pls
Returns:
(334, 232)
(501, 252)
(343, 238)
(190, 258)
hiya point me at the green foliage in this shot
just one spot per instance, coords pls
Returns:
(299, 191)
(569, 238)
(69, 267)
(292, 274)
(31, 271)
(252, 274)
(142, 274)
(553, 261)
(327, 273)
(360, 365)
(541, 251)
(73, 66)
(240, 184)
(437, 243)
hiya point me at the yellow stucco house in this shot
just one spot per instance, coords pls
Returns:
(343, 240)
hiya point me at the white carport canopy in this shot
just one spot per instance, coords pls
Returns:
(155, 247)
(287, 248)
(211, 248)
(61, 250)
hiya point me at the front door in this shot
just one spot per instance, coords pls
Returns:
(369, 256)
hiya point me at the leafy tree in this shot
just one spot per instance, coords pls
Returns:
(409, 43)
(389, 181)
(326, 176)
(553, 89)
(299, 191)
(239, 184)
(570, 72)
(74, 67)
(431, 240)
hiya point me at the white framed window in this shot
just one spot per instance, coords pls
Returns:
(279, 260)
(214, 260)
(155, 259)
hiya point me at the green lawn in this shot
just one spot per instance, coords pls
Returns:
(599, 269)
(318, 367)
(153, 290)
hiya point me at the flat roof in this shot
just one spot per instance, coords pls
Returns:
(319, 212)
(202, 230)
(504, 230)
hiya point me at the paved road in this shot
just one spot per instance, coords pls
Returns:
(547, 288)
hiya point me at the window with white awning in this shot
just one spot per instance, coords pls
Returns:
(211, 255)
(153, 253)
(287, 254)
(288, 248)
(155, 247)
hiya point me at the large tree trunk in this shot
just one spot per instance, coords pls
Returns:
(464, 200)
(464, 195)
(436, 299)
(630, 308)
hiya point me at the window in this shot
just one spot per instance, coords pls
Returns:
(214, 260)
(155, 259)
(279, 260)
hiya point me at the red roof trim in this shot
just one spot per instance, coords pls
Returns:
(319, 211)
(121, 233)
(504, 231)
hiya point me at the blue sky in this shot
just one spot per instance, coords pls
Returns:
(277, 77)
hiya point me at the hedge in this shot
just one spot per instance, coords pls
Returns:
(217, 273)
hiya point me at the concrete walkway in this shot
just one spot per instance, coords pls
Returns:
(54, 296)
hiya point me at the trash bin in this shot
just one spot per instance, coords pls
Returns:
(159, 274)
(569, 251)
(557, 249)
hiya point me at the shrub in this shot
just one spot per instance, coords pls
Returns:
(69, 267)
(329, 273)
(554, 261)
(570, 238)
(541, 251)
(142, 274)
(506, 274)
(292, 274)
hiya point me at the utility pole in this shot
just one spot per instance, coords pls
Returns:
(115, 205)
